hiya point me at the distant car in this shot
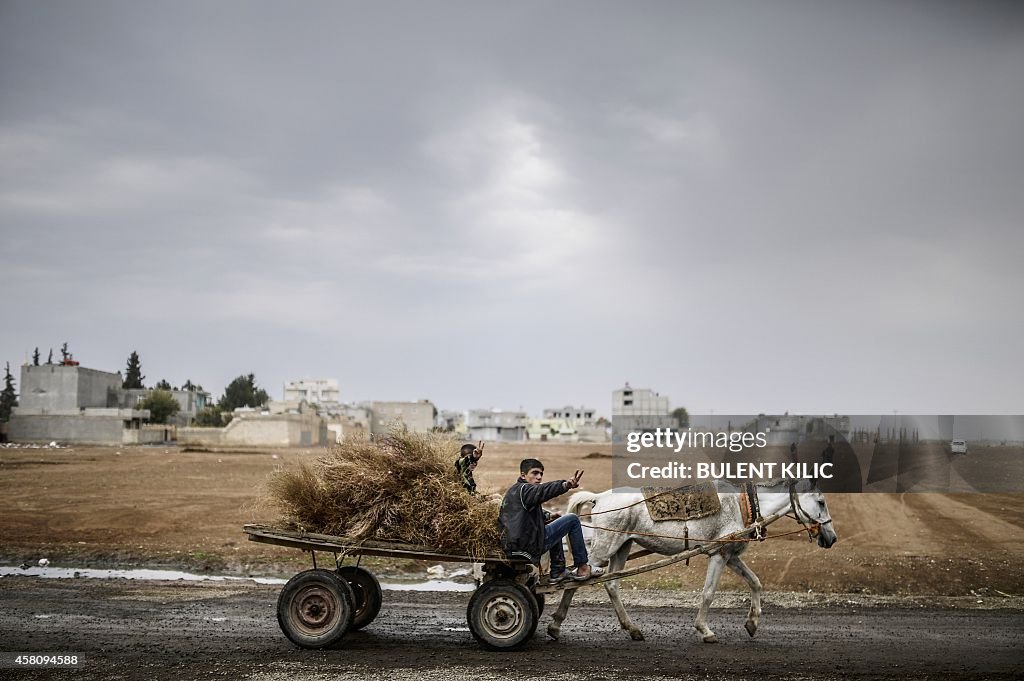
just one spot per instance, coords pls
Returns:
(958, 446)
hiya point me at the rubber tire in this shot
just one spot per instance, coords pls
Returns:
(367, 592)
(539, 598)
(512, 598)
(311, 591)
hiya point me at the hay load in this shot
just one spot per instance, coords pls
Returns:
(403, 487)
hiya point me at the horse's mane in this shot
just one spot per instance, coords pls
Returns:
(734, 486)
(773, 483)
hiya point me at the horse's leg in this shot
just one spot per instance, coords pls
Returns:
(743, 570)
(715, 564)
(555, 628)
(618, 561)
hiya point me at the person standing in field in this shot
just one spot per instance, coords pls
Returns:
(829, 453)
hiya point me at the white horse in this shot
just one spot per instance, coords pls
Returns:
(631, 523)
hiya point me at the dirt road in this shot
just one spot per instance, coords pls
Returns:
(145, 630)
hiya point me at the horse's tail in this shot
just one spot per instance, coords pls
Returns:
(578, 500)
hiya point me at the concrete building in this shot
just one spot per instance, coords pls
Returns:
(70, 403)
(567, 424)
(562, 430)
(639, 409)
(56, 388)
(453, 422)
(342, 427)
(495, 425)
(570, 413)
(263, 429)
(418, 417)
(189, 402)
(322, 392)
(550, 429)
(627, 401)
(358, 414)
(788, 428)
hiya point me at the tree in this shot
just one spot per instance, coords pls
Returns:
(8, 398)
(209, 417)
(49, 360)
(65, 355)
(682, 417)
(161, 405)
(163, 385)
(242, 392)
(35, 358)
(133, 377)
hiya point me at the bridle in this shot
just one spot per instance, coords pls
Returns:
(811, 525)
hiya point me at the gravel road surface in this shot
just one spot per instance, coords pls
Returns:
(145, 630)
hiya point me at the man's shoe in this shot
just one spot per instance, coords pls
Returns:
(558, 577)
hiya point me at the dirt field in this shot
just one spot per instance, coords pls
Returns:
(162, 506)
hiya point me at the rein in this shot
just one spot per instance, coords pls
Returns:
(670, 491)
(751, 516)
(701, 541)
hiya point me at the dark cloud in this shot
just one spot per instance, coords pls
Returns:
(761, 208)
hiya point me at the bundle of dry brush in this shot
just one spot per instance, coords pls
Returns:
(403, 487)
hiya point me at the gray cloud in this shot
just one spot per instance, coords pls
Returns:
(787, 206)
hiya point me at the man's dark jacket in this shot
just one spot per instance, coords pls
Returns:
(522, 518)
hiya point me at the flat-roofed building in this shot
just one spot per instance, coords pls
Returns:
(417, 416)
(319, 391)
(496, 425)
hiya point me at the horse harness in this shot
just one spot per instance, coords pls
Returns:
(813, 528)
(751, 511)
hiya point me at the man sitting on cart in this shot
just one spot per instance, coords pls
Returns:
(522, 518)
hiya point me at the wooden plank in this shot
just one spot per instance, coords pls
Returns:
(309, 541)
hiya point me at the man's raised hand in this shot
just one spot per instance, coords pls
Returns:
(574, 481)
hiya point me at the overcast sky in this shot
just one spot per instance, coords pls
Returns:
(750, 207)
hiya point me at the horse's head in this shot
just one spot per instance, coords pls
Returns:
(812, 511)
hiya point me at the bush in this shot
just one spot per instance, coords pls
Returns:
(161, 405)
(208, 417)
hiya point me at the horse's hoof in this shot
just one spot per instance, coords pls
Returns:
(636, 635)
(710, 638)
(553, 631)
(750, 627)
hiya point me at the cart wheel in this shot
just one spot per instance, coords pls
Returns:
(367, 593)
(502, 615)
(315, 608)
(539, 599)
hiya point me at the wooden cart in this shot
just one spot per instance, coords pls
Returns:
(317, 607)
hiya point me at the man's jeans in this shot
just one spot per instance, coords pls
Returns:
(554, 532)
